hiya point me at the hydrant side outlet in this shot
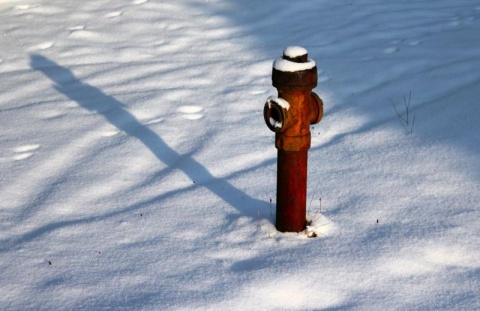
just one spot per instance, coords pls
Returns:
(290, 115)
(275, 113)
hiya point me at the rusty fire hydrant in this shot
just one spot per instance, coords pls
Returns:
(290, 115)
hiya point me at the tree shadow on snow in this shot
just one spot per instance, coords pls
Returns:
(332, 39)
(94, 100)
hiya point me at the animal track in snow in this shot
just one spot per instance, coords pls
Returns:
(75, 28)
(191, 112)
(26, 148)
(258, 92)
(23, 156)
(24, 152)
(114, 14)
(454, 23)
(394, 48)
(25, 6)
(84, 34)
(414, 42)
(42, 46)
(109, 133)
(51, 114)
(154, 121)
(391, 50)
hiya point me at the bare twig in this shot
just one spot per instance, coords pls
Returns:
(318, 212)
(405, 120)
(313, 195)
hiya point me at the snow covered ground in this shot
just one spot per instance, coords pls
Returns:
(136, 171)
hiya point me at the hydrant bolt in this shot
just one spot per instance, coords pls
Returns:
(290, 115)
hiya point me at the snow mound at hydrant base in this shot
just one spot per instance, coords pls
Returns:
(321, 226)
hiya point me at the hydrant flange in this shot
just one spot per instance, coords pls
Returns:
(316, 109)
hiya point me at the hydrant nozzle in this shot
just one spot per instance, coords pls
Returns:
(290, 115)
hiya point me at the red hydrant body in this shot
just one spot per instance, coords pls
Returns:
(290, 115)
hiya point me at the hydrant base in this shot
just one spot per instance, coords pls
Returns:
(291, 190)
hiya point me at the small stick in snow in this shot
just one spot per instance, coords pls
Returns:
(405, 121)
(319, 211)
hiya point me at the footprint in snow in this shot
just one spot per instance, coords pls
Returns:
(23, 156)
(258, 92)
(109, 133)
(191, 112)
(25, 6)
(76, 28)
(41, 46)
(25, 151)
(114, 14)
(154, 121)
(51, 114)
(26, 148)
(83, 34)
(391, 50)
(454, 21)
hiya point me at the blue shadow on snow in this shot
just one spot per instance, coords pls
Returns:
(113, 111)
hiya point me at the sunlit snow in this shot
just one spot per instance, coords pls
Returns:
(137, 172)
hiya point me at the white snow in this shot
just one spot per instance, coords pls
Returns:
(279, 101)
(294, 51)
(136, 171)
(286, 65)
(275, 123)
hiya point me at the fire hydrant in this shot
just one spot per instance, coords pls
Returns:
(290, 115)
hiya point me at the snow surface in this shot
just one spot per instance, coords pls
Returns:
(136, 171)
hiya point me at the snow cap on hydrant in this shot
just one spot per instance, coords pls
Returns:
(290, 115)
